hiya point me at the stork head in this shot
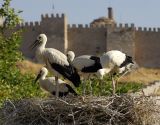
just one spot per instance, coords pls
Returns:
(70, 55)
(42, 73)
(41, 40)
(128, 66)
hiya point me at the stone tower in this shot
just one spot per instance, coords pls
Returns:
(104, 20)
(110, 13)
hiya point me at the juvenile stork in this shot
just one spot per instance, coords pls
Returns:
(55, 61)
(86, 65)
(48, 84)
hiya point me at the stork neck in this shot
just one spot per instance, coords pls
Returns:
(40, 50)
(43, 77)
(41, 47)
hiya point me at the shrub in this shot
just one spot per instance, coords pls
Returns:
(12, 83)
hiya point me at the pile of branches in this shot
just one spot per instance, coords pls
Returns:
(113, 110)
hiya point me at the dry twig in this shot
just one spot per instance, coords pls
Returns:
(113, 110)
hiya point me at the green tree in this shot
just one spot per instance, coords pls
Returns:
(9, 15)
(9, 45)
(12, 83)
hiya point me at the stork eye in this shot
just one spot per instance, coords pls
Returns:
(39, 38)
(40, 72)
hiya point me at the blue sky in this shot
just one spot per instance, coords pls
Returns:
(145, 13)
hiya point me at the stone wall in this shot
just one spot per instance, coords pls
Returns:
(121, 38)
(142, 44)
(87, 39)
(147, 47)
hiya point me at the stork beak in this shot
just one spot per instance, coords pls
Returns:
(38, 76)
(35, 43)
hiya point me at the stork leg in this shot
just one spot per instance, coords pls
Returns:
(84, 87)
(113, 85)
(90, 85)
(101, 86)
(57, 87)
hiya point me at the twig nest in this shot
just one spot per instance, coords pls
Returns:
(110, 110)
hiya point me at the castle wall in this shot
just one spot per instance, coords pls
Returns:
(142, 44)
(87, 39)
(54, 27)
(121, 38)
(147, 48)
(31, 31)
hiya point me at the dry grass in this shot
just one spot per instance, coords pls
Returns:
(158, 92)
(28, 67)
(110, 110)
(142, 75)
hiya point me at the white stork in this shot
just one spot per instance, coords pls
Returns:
(86, 65)
(55, 61)
(116, 61)
(48, 84)
(113, 60)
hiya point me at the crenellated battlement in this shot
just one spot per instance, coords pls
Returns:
(43, 18)
(149, 29)
(85, 26)
(124, 26)
(53, 16)
(29, 24)
(132, 26)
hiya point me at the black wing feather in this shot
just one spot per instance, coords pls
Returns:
(95, 67)
(71, 90)
(68, 72)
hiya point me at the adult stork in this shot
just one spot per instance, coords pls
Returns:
(86, 65)
(48, 84)
(117, 62)
(55, 61)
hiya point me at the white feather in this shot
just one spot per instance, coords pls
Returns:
(70, 55)
(112, 58)
(55, 56)
(82, 61)
(49, 83)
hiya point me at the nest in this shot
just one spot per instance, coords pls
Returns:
(113, 110)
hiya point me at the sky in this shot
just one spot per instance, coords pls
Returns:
(144, 13)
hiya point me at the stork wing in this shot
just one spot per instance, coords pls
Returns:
(67, 72)
(82, 61)
(87, 63)
(95, 58)
(58, 62)
(55, 56)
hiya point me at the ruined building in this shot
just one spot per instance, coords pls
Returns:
(101, 35)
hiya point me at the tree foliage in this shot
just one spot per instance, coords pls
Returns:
(12, 83)
(9, 45)
(9, 15)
